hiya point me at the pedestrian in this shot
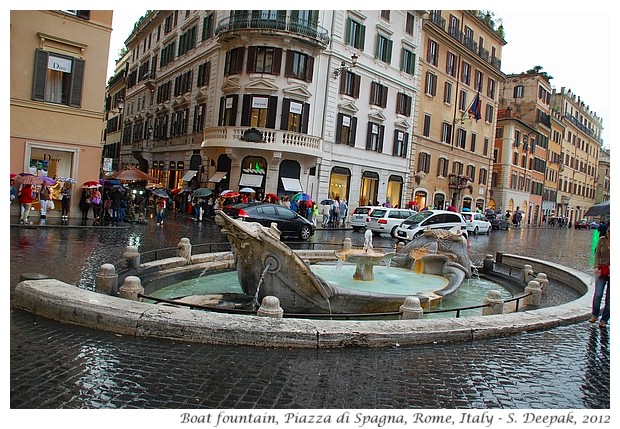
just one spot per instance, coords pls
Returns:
(25, 199)
(13, 190)
(97, 203)
(65, 194)
(44, 199)
(326, 209)
(161, 210)
(334, 216)
(122, 209)
(115, 197)
(85, 203)
(344, 208)
(315, 213)
(601, 284)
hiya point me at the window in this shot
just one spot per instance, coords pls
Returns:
(463, 100)
(489, 114)
(426, 131)
(199, 118)
(447, 93)
(471, 172)
(431, 84)
(228, 110)
(424, 162)
(442, 167)
(259, 111)
(407, 62)
(433, 51)
(378, 94)
(461, 137)
(299, 66)
(403, 104)
(478, 81)
(482, 179)
(472, 146)
(451, 64)
(401, 141)
(180, 121)
(187, 40)
(457, 168)
(446, 133)
(264, 59)
(383, 50)
(294, 116)
(234, 61)
(466, 73)
(491, 89)
(345, 131)
(385, 14)
(58, 78)
(350, 84)
(355, 34)
(204, 71)
(374, 138)
(409, 24)
(167, 55)
(183, 83)
(518, 91)
(207, 27)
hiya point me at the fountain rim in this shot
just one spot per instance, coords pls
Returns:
(67, 303)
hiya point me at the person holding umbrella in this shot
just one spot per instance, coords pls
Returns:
(65, 194)
(44, 200)
(85, 203)
(161, 210)
(25, 198)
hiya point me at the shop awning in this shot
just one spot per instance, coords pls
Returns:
(251, 180)
(291, 184)
(189, 175)
(217, 177)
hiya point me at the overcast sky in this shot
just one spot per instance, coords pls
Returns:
(572, 45)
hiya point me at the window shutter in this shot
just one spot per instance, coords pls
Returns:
(277, 61)
(251, 66)
(339, 128)
(233, 118)
(226, 63)
(389, 52)
(356, 89)
(343, 81)
(305, 116)
(77, 76)
(362, 37)
(240, 54)
(40, 75)
(272, 106)
(309, 68)
(395, 145)
(373, 91)
(245, 110)
(286, 104)
(380, 144)
(384, 95)
(405, 147)
(347, 33)
(352, 132)
(288, 67)
(369, 136)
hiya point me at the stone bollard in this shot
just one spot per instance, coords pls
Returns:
(106, 280)
(495, 303)
(133, 258)
(536, 293)
(411, 309)
(184, 250)
(544, 282)
(346, 244)
(528, 273)
(488, 264)
(131, 287)
(270, 307)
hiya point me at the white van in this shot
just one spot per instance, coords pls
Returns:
(387, 219)
(415, 225)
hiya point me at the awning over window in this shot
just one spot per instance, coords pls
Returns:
(189, 175)
(252, 180)
(217, 177)
(290, 184)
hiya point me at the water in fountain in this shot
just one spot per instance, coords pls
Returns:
(260, 282)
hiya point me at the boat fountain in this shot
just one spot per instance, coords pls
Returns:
(267, 267)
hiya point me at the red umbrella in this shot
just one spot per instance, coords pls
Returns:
(272, 198)
(91, 184)
(131, 174)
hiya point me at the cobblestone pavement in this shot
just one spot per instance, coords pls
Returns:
(57, 366)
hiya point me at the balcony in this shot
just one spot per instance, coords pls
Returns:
(299, 27)
(266, 139)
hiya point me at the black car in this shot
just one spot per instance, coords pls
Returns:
(498, 221)
(289, 223)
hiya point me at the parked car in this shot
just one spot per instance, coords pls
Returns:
(476, 223)
(498, 221)
(582, 224)
(289, 223)
(594, 224)
(415, 225)
(386, 219)
(359, 216)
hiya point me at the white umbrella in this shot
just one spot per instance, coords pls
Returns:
(247, 190)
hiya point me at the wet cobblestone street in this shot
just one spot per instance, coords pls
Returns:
(56, 366)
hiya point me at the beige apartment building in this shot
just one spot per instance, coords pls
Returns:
(603, 180)
(460, 73)
(58, 64)
(581, 146)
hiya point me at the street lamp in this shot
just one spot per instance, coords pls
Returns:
(343, 66)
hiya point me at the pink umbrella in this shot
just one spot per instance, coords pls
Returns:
(28, 179)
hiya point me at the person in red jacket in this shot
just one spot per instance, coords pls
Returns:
(25, 199)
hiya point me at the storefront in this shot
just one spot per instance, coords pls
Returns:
(339, 181)
(369, 189)
(395, 190)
